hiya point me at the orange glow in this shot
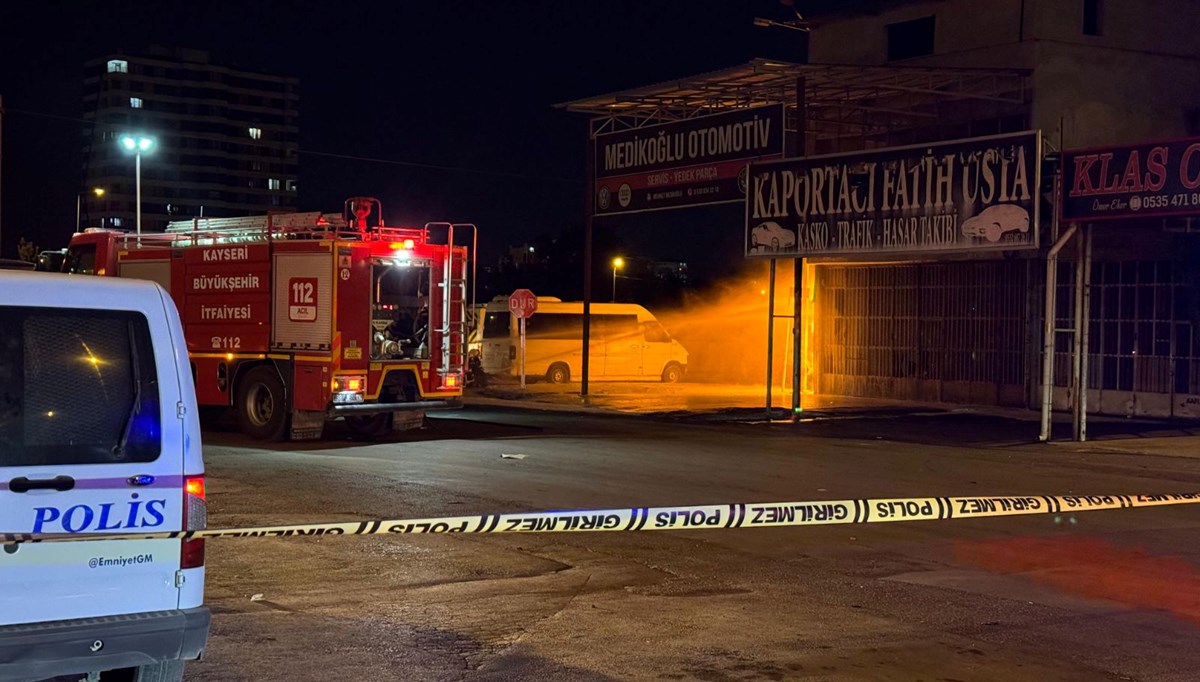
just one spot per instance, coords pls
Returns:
(451, 380)
(1096, 568)
(194, 485)
(354, 384)
(724, 329)
(406, 244)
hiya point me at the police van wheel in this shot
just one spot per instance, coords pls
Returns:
(262, 405)
(371, 425)
(672, 374)
(558, 373)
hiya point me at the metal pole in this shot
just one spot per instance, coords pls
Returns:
(798, 339)
(798, 274)
(588, 210)
(1086, 314)
(614, 296)
(770, 337)
(137, 164)
(1077, 341)
(78, 203)
(1048, 315)
(522, 353)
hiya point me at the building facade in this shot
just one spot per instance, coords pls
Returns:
(1100, 73)
(226, 139)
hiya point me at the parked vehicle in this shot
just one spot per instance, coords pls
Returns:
(293, 319)
(98, 435)
(627, 342)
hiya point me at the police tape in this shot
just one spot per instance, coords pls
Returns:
(696, 517)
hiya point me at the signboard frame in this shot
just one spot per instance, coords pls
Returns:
(611, 189)
(1164, 161)
(874, 159)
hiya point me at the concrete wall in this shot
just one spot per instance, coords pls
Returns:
(1139, 80)
(968, 33)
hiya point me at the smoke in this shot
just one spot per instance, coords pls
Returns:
(724, 327)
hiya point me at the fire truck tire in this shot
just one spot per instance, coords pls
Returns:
(558, 373)
(262, 405)
(672, 374)
(371, 425)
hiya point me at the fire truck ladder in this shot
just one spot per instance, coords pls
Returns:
(454, 328)
(255, 228)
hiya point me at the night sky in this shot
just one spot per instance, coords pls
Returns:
(453, 83)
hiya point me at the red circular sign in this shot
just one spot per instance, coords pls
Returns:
(522, 303)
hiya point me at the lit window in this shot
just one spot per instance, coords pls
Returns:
(256, 133)
(116, 222)
(291, 185)
(273, 183)
(135, 102)
(118, 66)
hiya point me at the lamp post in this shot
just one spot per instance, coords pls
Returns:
(617, 264)
(98, 191)
(138, 145)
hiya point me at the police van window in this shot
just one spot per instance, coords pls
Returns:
(76, 387)
(495, 325)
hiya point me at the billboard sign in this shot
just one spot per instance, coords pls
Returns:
(979, 194)
(1148, 180)
(692, 162)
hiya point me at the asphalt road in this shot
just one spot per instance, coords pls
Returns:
(1099, 596)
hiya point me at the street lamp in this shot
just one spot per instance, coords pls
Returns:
(138, 145)
(98, 191)
(617, 264)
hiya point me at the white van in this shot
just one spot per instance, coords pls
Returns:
(98, 435)
(627, 342)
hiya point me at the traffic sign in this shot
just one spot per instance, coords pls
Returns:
(522, 303)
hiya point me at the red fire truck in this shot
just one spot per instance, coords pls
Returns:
(296, 318)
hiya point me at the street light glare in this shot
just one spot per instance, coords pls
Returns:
(98, 191)
(618, 262)
(141, 144)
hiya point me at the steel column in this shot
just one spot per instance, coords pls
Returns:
(588, 210)
(1048, 315)
(770, 337)
(798, 274)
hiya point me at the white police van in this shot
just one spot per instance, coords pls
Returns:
(98, 435)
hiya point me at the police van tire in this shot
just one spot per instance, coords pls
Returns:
(559, 373)
(166, 671)
(370, 425)
(672, 373)
(262, 404)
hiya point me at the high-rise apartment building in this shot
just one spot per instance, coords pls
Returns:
(226, 140)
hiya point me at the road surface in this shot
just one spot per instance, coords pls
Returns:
(1098, 596)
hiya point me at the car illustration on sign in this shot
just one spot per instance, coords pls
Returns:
(770, 236)
(996, 221)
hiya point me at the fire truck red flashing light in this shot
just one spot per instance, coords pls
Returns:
(295, 318)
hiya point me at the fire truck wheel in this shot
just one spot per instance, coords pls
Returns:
(672, 374)
(558, 373)
(261, 404)
(371, 425)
